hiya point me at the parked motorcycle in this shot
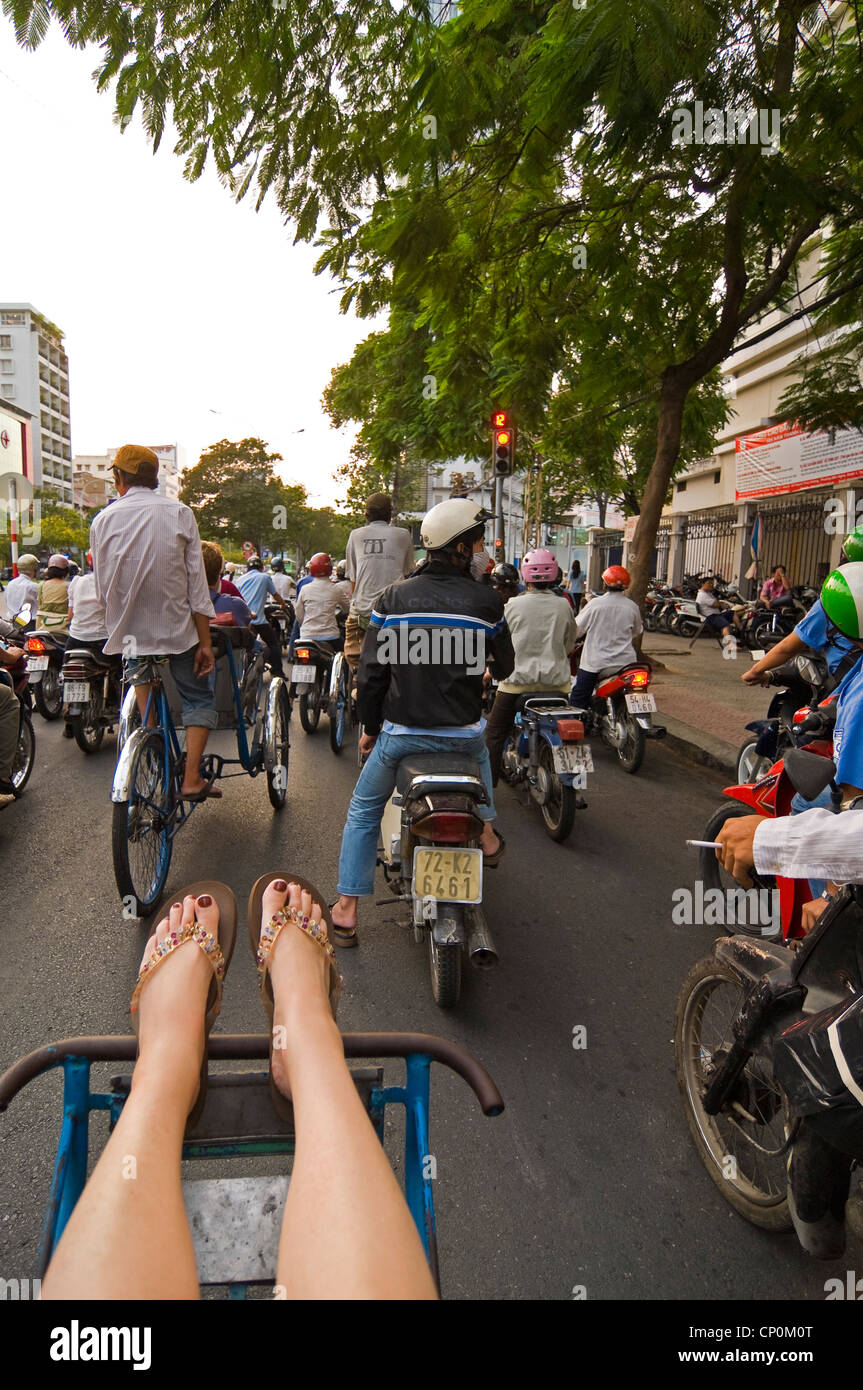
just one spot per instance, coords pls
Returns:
(768, 623)
(620, 712)
(45, 652)
(546, 753)
(767, 1045)
(92, 693)
(11, 635)
(322, 678)
(432, 860)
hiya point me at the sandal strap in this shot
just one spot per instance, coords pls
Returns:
(271, 931)
(193, 931)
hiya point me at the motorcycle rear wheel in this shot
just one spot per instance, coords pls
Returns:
(25, 755)
(48, 694)
(688, 627)
(754, 1183)
(445, 970)
(630, 753)
(87, 726)
(310, 709)
(339, 710)
(558, 811)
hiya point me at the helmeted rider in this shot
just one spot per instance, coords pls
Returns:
(609, 624)
(255, 587)
(23, 590)
(420, 686)
(321, 603)
(505, 578)
(542, 629)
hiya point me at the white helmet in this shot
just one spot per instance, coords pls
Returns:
(28, 563)
(449, 520)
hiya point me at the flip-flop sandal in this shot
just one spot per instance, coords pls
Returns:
(218, 953)
(209, 792)
(263, 938)
(491, 861)
(344, 936)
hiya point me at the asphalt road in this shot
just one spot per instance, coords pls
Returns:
(589, 1178)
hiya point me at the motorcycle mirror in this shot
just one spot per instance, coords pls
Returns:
(807, 669)
(808, 773)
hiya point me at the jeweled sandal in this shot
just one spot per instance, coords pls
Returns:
(218, 953)
(263, 937)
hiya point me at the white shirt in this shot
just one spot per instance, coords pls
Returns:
(18, 592)
(815, 844)
(88, 611)
(317, 606)
(610, 622)
(283, 585)
(706, 602)
(149, 574)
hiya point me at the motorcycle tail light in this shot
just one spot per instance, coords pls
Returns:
(448, 827)
(570, 730)
(637, 679)
(302, 654)
(35, 644)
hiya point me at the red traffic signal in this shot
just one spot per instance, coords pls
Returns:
(503, 451)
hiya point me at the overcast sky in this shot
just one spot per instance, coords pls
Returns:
(175, 301)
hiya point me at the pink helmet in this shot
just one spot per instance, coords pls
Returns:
(59, 561)
(539, 565)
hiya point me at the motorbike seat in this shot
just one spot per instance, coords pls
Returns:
(86, 654)
(786, 601)
(441, 766)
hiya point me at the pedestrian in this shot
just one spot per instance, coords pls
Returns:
(150, 579)
(377, 555)
(576, 585)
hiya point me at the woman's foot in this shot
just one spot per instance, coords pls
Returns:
(173, 1002)
(344, 915)
(300, 975)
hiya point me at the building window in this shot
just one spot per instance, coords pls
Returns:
(9, 391)
(717, 475)
(10, 319)
(5, 342)
(681, 487)
(7, 366)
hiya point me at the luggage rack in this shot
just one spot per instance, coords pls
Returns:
(235, 1221)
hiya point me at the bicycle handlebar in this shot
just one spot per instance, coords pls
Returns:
(254, 1047)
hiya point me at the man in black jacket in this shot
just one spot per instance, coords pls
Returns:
(430, 640)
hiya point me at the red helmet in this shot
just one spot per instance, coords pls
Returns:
(616, 577)
(320, 565)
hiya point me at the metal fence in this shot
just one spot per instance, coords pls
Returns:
(610, 548)
(794, 534)
(659, 559)
(710, 542)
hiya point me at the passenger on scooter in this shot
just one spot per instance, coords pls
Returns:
(54, 594)
(412, 698)
(543, 631)
(23, 589)
(321, 603)
(505, 578)
(609, 624)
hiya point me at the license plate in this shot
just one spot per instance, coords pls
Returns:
(76, 692)
(573, 757)
(303, 675)
(37, 663)
(641, 704)
(449, 875)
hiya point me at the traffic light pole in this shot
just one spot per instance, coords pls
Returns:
(499, 550)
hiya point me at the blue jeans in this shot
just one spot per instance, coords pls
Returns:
(798, 805)
(375, 787)
(583, 688)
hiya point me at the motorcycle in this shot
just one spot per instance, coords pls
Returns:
(768, 623)
(322, 678)
(619, 712)
(92, 687)
(11, 635)
(45, 652)
(432, 860)
(281, 622)
(546, 752)
(804, 678)
(767, 1046)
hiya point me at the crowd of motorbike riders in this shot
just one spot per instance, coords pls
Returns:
(527, 639)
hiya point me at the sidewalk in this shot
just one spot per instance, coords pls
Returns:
(701, 699)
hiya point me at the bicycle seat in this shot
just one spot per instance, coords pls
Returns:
(445, 768)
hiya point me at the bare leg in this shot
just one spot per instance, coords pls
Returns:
(128, 1237)
(347, 1232)
(142, 694)
(196, 742)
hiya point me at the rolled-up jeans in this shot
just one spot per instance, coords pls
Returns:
(196, 692)
(375, 787)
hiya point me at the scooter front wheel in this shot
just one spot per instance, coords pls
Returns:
(743, 1147)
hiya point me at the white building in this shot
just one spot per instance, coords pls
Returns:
(34, 375)
(91, 469)
(462, 475)
(441, 10)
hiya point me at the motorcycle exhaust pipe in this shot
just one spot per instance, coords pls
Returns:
(480, 947)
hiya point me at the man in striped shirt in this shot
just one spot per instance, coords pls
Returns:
(149, 574)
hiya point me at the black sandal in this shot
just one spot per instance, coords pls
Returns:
(491, 861)
(350, 937)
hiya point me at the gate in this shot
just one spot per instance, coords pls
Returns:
(659, 559)
(794, 534)
(610, 548)
(710, 542)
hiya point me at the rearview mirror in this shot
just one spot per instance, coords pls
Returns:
(809, 774)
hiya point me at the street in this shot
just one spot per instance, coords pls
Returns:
(589, 1180)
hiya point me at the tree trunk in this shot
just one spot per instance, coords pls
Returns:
(602, 504)
(671, 402)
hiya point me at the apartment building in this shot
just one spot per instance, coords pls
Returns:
(34, 376)
(94, 483)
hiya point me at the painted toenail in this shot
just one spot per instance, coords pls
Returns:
(280, 885)
(178, 906)
(205, 900)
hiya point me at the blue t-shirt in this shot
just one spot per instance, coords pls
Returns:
(813, 631)
(229, 603)
(848, 734)
(255, 586)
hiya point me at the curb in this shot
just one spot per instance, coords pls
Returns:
(699, 747)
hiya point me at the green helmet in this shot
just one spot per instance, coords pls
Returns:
(842, 599)
(852, 546)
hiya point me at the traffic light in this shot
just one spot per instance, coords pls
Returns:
(503, 444)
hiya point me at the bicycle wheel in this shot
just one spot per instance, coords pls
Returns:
(339, 712)
(277, 749)
(141, 832)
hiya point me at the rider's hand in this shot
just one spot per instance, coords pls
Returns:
(737, 854)
(811, 912)
(205, 661)
(755, 677)
(367, 743)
